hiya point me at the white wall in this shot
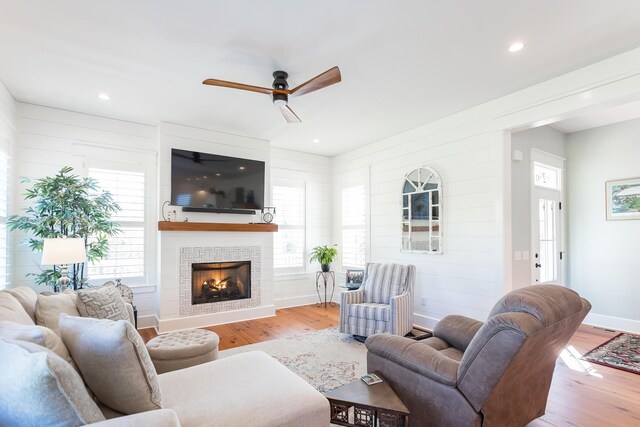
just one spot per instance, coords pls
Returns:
(472, 152)
(315, 171)
(550, 141)
(604, 255)
(7, 145)
(49, 139)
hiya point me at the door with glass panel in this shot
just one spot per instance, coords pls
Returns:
(547, 218)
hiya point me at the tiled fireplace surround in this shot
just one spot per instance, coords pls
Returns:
(180, 249)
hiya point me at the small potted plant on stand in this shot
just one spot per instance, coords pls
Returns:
(325, 255)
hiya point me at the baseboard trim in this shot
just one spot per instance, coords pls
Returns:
(149, 321)
(176, 324)
(424, 321)
(296, 301)
(615, 323)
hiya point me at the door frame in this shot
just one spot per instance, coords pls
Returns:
(536, 193)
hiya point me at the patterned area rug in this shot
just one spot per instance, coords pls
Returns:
(620, 352)
(325, 359)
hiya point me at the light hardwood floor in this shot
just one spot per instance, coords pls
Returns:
(599, 397)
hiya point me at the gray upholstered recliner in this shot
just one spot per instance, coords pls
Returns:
(383, 303)
(496, 373)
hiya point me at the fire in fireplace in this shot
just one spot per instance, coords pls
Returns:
(220, 281)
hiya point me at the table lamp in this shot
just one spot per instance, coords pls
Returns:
(63, 251)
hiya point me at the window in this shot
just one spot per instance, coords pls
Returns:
(354, 222)
(4, 202)
(126, 258)
(546, 176)
(289, 241)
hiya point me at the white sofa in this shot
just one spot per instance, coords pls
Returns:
(246, 389)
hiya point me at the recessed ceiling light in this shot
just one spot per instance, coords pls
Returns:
(316, 140)
(103, 96)
(218, 174)
(516, 47)
(241, 168)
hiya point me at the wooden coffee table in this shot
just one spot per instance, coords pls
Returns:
(374, 405)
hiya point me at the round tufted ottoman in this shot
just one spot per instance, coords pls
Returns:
(181, 349)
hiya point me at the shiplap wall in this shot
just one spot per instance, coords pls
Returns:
(315, 171)
(466, 278)
(49, 139)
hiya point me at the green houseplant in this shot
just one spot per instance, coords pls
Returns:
(325, 255)
(67, 205)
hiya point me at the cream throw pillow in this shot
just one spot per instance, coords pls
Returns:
(39, 388)
(36, 334)
(49, 308)
(102, 302)
(11, 309)
(27, 297)
(114, 362)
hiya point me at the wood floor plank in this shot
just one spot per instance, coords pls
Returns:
(601, 397)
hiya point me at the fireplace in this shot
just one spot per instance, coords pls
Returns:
(220, 281)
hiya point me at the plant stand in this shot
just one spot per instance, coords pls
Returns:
(324, 278)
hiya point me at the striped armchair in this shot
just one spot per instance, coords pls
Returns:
(384, 302)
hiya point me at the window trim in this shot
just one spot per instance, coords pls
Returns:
(364, 227)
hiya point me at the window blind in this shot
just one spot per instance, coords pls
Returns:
(354, 222)
(126, 256)
(4, 205)
(289, 241)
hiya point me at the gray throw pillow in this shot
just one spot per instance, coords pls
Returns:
(102, 302)
(114, 363)
(39, 388)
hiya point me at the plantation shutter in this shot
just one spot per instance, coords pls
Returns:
(126, 256)
(289, 241)
(4, 206)
(354, 221)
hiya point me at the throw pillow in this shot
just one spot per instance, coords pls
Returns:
(27, 297)
(114, 362)
(38, 388)
(11, 309)
(102, 302)
(49, 308)
(40, 335)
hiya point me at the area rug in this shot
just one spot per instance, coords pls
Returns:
(620, 352)
(326, 359)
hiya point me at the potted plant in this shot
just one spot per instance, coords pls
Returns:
(324, 255)
(71, 206)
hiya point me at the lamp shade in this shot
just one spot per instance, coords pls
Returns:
(63, 251)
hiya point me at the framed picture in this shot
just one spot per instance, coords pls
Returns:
(623, 199)
(354, 278)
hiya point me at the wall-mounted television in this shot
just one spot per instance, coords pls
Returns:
(202, 182)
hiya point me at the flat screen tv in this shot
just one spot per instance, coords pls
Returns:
(202, 182)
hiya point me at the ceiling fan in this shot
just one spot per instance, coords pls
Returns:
(280, 92)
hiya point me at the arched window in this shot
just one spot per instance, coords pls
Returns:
(422, 211)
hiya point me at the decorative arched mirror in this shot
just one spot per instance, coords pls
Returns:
(422, 212)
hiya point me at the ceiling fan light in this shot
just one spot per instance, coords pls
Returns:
(279, 102)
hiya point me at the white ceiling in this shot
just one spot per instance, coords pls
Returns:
(403, 63)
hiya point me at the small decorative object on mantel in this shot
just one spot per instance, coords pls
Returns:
(267, 214)
(324, 255)
(623, 199)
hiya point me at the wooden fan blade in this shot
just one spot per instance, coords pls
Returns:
(233, 85)
(329, 77)
(289, 115)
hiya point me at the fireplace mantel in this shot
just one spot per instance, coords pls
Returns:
(215, 226)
